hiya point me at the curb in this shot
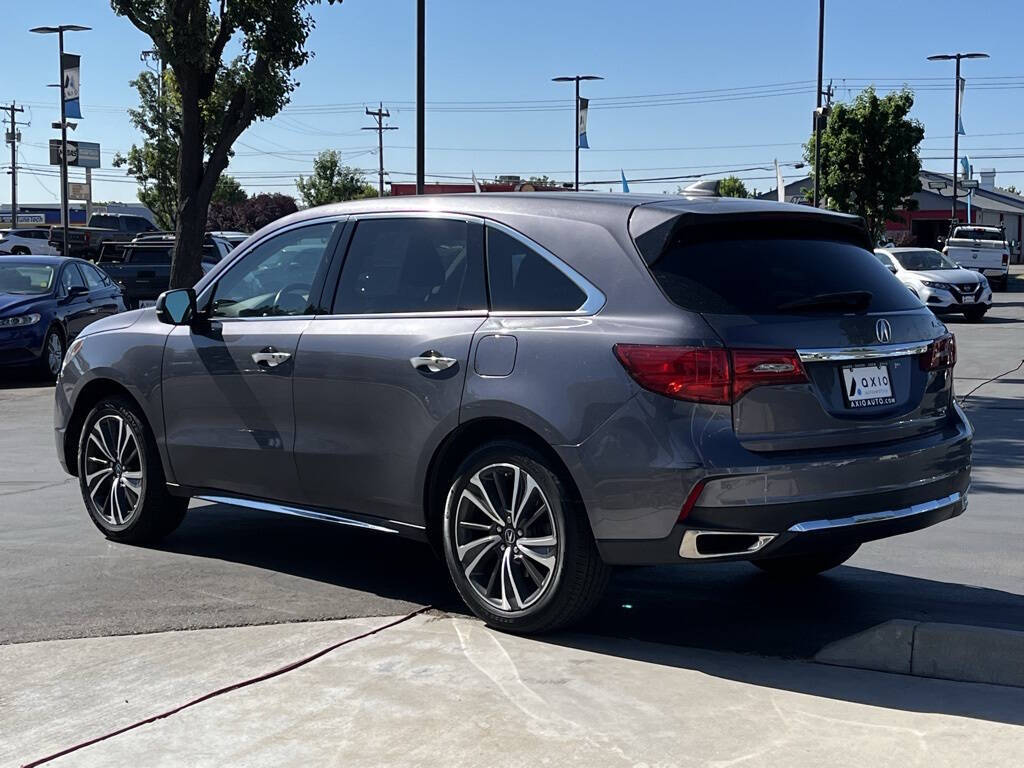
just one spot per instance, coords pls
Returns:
(960, 652)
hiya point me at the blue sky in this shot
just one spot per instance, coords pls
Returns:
(505, 54)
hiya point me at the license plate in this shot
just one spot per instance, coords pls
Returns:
(867, 385)
(968, 298)
(143, 303)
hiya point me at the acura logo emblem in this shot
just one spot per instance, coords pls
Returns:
(883, 331)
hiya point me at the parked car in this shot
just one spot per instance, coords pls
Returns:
(541, 386)
(942, 284)
(85, 242)
(142, 268)
(45, 303)
(22, 242)
(981, 249)
(233, 239)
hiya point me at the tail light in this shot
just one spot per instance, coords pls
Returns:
(708, 375)
(88, 238)
(691, 500)
(941, 353)
(1006, 259)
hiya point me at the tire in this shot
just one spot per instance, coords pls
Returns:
(975, 314)
(512, 587)
(805, 566)
(54, 349)
(139, 510)
(20, 250)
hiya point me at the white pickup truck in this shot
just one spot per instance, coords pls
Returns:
(982, 249)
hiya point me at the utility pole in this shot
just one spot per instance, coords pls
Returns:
(12, 138)
(576, 124)
(956, 112)
(421, 90)
(379, 114)
(817, 106)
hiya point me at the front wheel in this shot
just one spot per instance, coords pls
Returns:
(517, 544)
(804, 566)
(52, 357)
(121, 478)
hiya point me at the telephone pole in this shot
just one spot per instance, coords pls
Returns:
(13, 135)
(379, 114)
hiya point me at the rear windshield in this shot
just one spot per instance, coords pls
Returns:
(754, 269)
(103, 222)
(976, 233)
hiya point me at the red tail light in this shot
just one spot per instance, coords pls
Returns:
(1006, 259)
(708, 375)
(941, 353)
(691, 500)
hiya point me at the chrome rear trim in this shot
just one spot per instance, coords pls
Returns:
(862, 353)
(282, 509)
(878, 517)
(688, 547)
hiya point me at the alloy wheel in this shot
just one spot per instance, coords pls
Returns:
(54, 352)
(505, 537)
(113, 470)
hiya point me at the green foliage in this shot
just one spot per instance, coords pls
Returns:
(869, 157)
(228, 190)
(332, 182)
(731, 186)
(219, 99)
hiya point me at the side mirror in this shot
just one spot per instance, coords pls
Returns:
(892, 268)
(176, 307)
(77, 290)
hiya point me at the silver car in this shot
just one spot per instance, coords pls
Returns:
(938, 281)
(541, 386)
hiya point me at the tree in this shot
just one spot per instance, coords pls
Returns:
(251, 214)
(228, 190)
(154, 164)
(219, 99)
(332, 182)
(731, 186)
(869, 157)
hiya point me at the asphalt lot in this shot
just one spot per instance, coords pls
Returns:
(228, 567)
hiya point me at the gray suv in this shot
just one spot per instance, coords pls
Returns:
(539, 385)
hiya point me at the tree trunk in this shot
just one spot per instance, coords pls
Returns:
(186, 264)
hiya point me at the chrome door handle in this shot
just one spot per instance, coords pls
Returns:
(270, 357)
(432, 362)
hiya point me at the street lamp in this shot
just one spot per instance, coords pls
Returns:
(576, 127)
(956, 109)
(59, 31)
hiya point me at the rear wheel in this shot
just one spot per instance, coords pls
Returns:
(20, 250)
(975, 314)
(803, 566)
(121, 478)
(518, 546)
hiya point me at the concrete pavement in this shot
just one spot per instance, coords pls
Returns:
(444, 691)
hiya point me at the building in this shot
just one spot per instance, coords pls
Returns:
(48, 214)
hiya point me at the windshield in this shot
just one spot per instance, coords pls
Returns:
(978, 233)
(925, 258)
(25, 278)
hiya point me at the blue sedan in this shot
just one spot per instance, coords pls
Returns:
(45, 301)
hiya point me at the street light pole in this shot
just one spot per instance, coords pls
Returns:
(59, 31)
(421, 88)
(817, 111)
(956, 112)
(576, 126)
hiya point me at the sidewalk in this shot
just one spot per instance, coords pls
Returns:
(441, 691)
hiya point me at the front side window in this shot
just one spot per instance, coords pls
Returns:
(399, 265)
(521, 280)
(71, 277)
(277, 276)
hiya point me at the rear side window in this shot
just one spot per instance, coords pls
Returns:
(411, 265)
(755, 269)
(93, 277)
(521, 280)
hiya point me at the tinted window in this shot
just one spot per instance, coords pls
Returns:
(883, 259)
(410, 265)
(71, 277)
(521, 280)
(755, 269)
(103, 222)
(153, 255)
(93, 277)
(276, 277)
(135, 225)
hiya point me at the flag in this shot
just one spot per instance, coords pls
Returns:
(965, 164)
(582, 128)
(778, 181)
(959, 108)
(70, 67)
(476, 184)
(625, 186)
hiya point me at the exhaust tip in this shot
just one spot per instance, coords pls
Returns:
(699, 545)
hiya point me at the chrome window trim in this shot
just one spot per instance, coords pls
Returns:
(595, 298)
(877, 517)
(455, 313)
(833, 354)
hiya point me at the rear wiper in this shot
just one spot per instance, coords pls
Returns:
(855, 300)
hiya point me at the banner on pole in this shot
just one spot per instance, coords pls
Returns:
(960, 107)
(778, 181)
(582, 128)
(70, 65)
(625, 186)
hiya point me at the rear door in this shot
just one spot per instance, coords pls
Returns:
(103, 294)
(378, 381)
(77, 311)
(817, 294)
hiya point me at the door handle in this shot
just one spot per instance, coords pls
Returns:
(432, 361)
(270, 357)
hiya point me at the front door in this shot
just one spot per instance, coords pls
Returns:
(378, 381)
(228, 378)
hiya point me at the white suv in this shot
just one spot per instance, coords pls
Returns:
(938, 281)
(23, 242)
